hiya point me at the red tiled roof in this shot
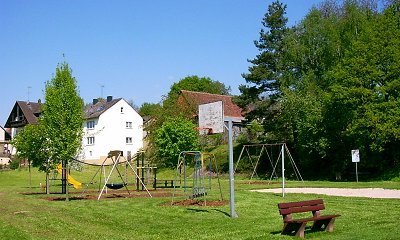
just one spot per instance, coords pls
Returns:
(194, 99)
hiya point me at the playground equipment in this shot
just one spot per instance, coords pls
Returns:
(114, 157)
(270, 150)
(70, 179)
(145, 171)
(266, 154)
(203, 165)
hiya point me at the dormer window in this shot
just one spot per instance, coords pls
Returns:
(90, 124)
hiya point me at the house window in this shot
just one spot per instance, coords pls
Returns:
(128, 140)
(90, 124)
(122, 109)
(128, 124)
(90, 140)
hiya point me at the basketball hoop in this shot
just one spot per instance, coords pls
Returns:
(204, 130)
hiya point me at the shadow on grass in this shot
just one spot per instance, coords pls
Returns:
(207, 211)
(197, 210)
(307, 230)
(225, 213)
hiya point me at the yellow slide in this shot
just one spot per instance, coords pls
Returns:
(70, 179)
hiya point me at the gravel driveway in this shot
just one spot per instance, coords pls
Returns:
(344, 192)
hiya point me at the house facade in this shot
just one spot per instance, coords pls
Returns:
(22, 113)
(4, 152)
(111, 124)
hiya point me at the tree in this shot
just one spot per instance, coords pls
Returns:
(57, 137)
(329, 84)
(197, 84)
(264, 75)
(365, 89)
(191, 83)
(175, 135)
(62, 118)
(30, 143)
(150, 109)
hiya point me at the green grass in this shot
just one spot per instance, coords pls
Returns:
(30, 216)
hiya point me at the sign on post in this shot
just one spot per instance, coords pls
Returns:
(355, 158)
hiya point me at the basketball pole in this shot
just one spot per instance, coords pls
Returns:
(212, 115)
(231, 175)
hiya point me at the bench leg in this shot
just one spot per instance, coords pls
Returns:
(326, 224)
(297, 228)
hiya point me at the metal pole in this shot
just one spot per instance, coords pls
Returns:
(231, 176)
(356, 173)
(137, 170)
(142, 156)
(283, 171)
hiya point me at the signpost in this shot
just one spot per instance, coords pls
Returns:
(355, 158)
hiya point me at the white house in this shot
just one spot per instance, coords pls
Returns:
(110, 124)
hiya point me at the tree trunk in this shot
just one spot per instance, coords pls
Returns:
(47, 183)
(65, 179)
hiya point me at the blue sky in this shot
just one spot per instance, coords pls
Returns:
(135, 49)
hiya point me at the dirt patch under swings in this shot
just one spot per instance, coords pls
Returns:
(112, 195)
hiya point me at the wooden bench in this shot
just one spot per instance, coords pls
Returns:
(297, 226)
(164, 183)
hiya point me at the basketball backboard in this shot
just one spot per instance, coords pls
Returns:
(211, 116)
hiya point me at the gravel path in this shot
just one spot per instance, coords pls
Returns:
(344, 192)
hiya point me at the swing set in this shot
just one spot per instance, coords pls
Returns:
(114, 160)
(200, 183)
(262, 155)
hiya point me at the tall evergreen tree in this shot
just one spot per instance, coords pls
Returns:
(261, 93)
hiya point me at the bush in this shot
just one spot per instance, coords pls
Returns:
(14, 164)
(174, 136)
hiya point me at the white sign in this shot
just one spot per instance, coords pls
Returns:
(355, 155)
(211, 115)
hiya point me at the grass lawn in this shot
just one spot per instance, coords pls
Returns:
(30, 216)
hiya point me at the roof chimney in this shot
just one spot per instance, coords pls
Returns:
(95, 100)
(109, 98)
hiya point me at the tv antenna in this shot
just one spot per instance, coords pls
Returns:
(29, 91)
(101, 91)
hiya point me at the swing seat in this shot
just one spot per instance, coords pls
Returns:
(115, 185)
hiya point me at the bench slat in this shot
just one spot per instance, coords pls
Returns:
(286, 211)
(323, 217)
(298, 207)
(300, 204)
